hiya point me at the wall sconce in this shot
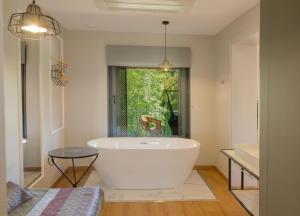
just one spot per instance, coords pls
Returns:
(58, 73)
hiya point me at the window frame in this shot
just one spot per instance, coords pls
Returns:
(184, 98)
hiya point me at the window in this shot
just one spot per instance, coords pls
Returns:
(148, 102)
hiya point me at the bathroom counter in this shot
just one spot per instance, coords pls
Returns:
(249, 153)
(248, 198)
(237, 158)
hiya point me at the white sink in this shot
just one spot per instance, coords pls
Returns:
(249, 153)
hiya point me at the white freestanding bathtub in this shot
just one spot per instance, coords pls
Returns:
(145, 163)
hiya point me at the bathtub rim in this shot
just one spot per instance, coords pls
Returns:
(194, 144)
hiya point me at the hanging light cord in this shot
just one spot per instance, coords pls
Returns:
(165, 41)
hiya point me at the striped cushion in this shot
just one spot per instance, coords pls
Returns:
(16, 196)
(62, 202)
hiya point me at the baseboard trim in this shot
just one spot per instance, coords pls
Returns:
(32, 169)
(204, 167)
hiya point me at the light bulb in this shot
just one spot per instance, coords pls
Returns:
(34, 29)
(165, 65)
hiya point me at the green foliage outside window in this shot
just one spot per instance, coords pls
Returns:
(147, 94)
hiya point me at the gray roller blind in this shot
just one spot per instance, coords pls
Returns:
(147, 56)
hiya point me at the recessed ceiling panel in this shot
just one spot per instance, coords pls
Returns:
(149, 5)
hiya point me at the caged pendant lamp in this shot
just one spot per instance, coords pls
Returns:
(33, 24)
(166, 65)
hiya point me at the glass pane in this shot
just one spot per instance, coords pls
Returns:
(152, 102)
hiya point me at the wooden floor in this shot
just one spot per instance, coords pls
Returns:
(225, 205)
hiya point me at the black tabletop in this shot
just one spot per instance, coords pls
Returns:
(73, 152)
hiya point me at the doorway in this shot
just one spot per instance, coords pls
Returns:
(30, 111)
(245, 120)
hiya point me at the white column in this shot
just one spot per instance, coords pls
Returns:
(2, 138)
(280, 108)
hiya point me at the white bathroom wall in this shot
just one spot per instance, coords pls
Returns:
(86, 94)
(244, 93)
(280, 108)
(32, 148)
(2, 130)
(246, 25)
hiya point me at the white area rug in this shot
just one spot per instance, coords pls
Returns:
(194, 189)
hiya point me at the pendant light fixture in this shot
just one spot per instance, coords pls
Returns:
(166, 65)
(33, 24)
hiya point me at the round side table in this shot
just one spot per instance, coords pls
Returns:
(72, 153)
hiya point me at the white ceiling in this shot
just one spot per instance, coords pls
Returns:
(204, 17)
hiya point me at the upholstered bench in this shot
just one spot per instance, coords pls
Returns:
(60, 202)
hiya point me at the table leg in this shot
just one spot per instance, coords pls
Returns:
(229, 174)
(74, 173)
(69, 180)
(88, 169)
(76, 182)
(242, 178)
